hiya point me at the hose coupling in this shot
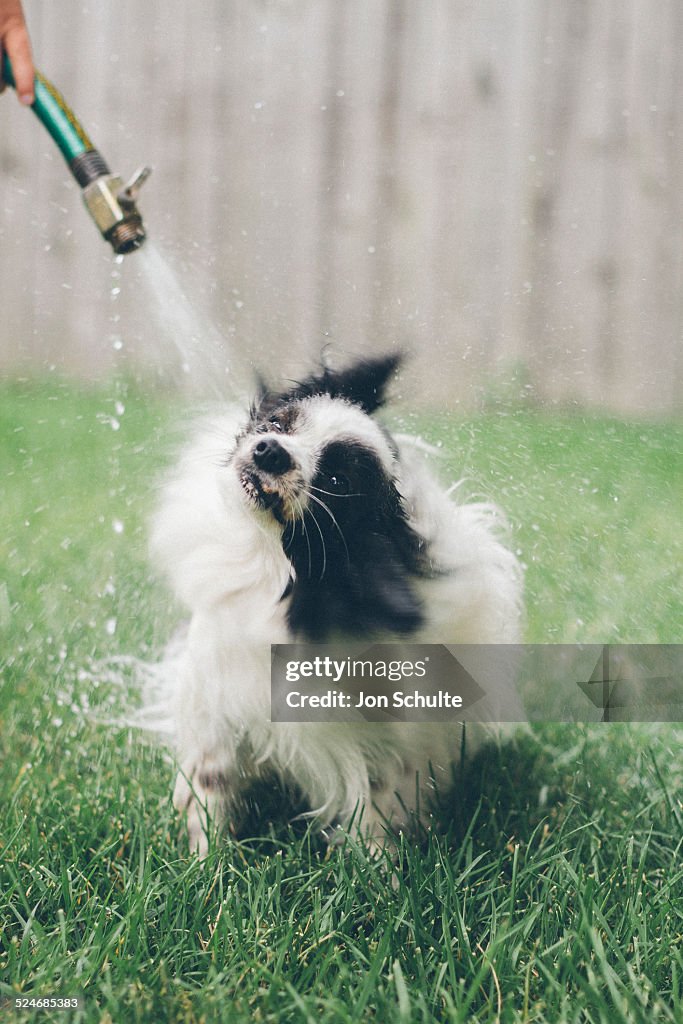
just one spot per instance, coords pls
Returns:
(113, 205)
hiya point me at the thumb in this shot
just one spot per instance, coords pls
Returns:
(18, 50)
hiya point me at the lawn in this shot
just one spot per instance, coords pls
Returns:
(552, 889)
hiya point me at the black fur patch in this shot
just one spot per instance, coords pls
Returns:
(364, 383)
(355, 555)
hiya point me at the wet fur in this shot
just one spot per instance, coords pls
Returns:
(261, 547)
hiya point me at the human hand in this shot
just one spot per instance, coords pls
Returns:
(14, 41)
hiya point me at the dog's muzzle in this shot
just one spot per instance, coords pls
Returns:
(264, 477)
(271, 457)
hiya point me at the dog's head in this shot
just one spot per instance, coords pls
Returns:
(313, 461)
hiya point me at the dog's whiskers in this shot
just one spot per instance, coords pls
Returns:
(302, 519)
(322, 541)
(327, 509)
(354, 494)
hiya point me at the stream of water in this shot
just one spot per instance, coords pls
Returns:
(205, 363)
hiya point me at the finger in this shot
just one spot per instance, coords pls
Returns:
(19, 52)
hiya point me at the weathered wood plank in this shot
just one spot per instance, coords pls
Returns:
(496, 186)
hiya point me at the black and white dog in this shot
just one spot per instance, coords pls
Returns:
(306, 520)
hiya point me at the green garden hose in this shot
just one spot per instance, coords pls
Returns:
(111, 204)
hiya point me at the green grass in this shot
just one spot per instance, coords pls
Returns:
(552, 888)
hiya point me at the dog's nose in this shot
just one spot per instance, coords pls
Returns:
(270, 456)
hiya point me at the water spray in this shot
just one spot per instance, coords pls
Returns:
(110, 203)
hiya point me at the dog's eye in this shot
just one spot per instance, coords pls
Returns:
(276, 424)
(339, 483)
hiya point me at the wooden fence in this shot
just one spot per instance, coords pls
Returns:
(495, 184)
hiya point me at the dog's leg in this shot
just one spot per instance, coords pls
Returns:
(201, 793)
(376, 827)
(206, 780)
(397, 805)
(209, 779)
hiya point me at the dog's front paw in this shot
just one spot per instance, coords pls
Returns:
(201, 794)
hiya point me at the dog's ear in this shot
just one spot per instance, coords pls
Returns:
(265, 400)
(262, 388)
(364, 382)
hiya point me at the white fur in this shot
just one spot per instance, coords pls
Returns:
(225, 563)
